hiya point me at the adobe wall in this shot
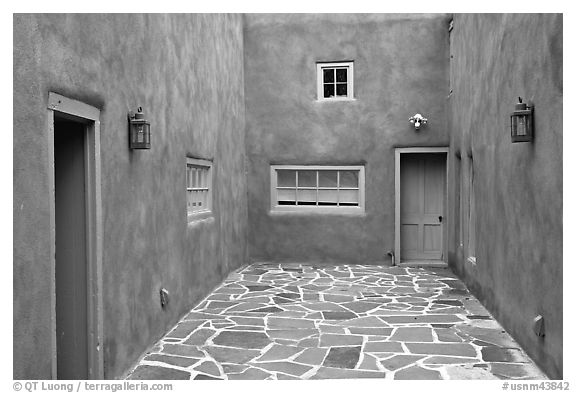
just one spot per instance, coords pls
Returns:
(518, 186)
(186, 71)
(400, 68)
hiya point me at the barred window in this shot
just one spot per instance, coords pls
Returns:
(198, 187)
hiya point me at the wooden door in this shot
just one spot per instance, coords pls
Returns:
(71, 251)
(422, 194)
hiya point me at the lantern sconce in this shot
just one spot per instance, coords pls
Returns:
(418, 120)
(521, 122)
(139, 130)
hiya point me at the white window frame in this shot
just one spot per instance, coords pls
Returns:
(349, 65)
(207, 211)
(354, 210)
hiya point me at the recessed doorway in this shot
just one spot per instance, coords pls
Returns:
(74, 135)
(420, 206)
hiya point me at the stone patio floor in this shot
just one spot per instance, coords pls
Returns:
(303, 321)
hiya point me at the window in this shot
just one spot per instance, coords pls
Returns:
(198, 188)
(335, 81)
(326, 189)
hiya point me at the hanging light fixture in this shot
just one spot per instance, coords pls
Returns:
(139, 130)
(521, 122)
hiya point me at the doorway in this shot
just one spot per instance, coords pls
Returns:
(71, 250)
(76, 239)
(421, 191)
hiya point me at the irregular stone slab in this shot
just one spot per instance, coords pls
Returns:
(200, 336)
(294, 334)
(331, 329)
(278, 352)
(323, 306)
(455, 349)
(172, 360)
(208, 367)
(334, 340)
(448, 360)
(383, 346)
(233, 368)
(479, 317)
(448, 302)
(250, 374)
(364, 322)
(206, 377)
(248, 321)
(468, 372)
(219, 304)
(309, 342)
(524, 371)
(429, 318)
(447, 335)
(417, 373)
(338, 315)
(266, 310)
(342, 357)
(359, 307)
(284, 323)
(184, 328)
(246, 306)
(369, 363)
(231, 355)
(398, 361)
(281, 376)
(247, 328)
(154, 372)
(312, 356)
(286, 367)
(497, 354)
(289, 295)
(413, 334)
(340, 373)
(238, 339)
(371, 331)
(183, 350)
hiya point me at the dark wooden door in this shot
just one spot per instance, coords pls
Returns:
(71, 257)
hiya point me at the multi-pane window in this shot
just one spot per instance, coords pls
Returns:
(198, 186)
(335, 80)
(328, 188)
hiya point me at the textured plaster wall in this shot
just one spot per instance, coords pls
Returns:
(518, 187)
(400, 68)
(187, 73)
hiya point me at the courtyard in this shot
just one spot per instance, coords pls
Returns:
(314, 321)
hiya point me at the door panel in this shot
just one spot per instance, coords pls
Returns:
(422, 193)
(71, 261)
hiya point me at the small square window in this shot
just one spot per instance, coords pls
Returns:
(335, 81)
(198, 188)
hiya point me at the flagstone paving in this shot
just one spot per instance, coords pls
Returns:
(301, 321)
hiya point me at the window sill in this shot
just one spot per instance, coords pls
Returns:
(341, 99)
(197, 218)
(293, 211)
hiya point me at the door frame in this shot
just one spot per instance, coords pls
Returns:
(61, 106)
(397, 197)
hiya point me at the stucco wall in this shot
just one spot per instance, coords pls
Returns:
(187, 73)
(518, 187)
(400, 68)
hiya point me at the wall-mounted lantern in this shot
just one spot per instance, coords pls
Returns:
(418, 120)
(521, 122)
(139, 130)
